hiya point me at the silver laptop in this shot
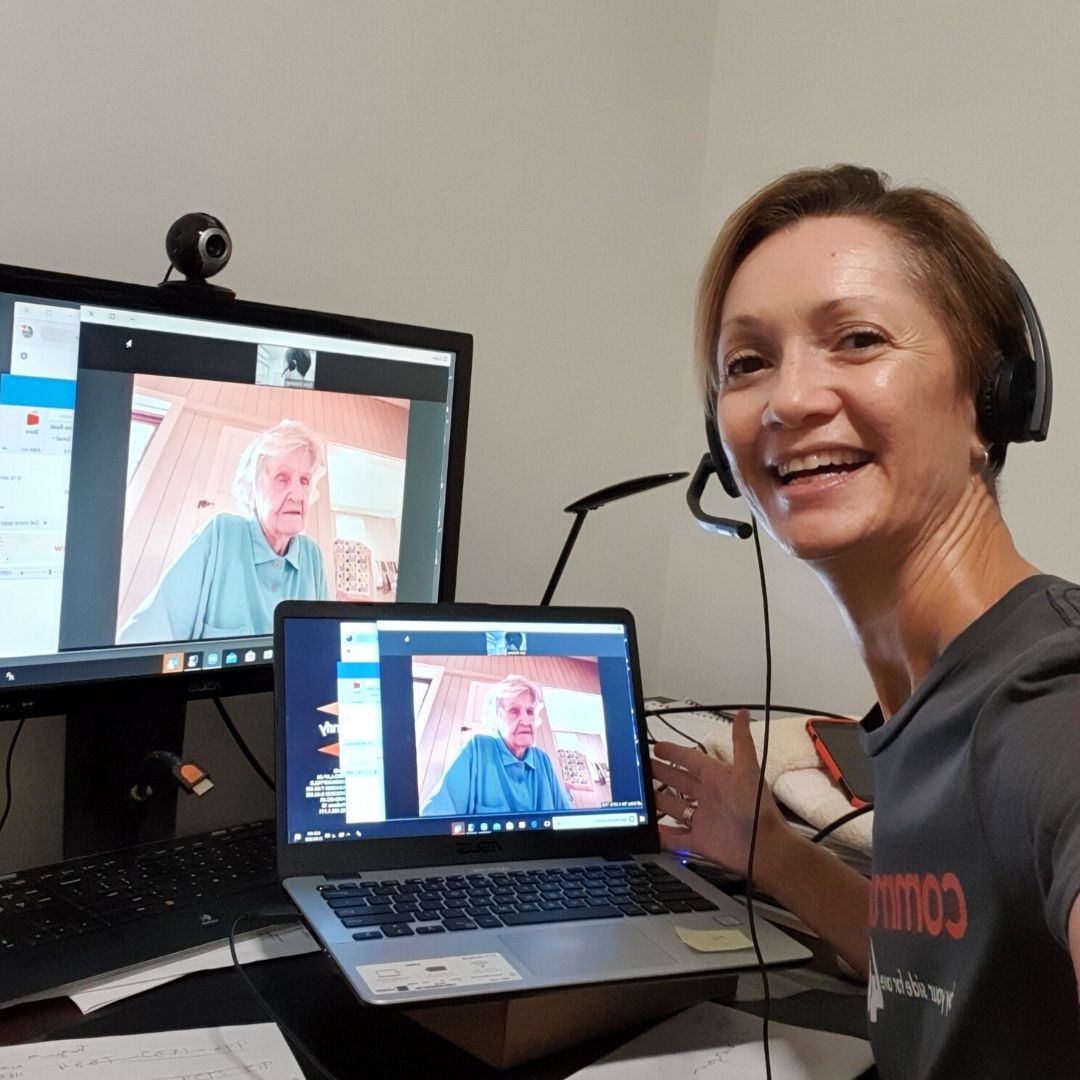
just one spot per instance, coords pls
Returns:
(464, 804)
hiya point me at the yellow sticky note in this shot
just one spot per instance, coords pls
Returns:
(714, 940)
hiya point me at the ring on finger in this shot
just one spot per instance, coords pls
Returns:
(688, 815)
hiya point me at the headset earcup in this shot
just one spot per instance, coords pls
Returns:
(719, 458)
(1006, 402)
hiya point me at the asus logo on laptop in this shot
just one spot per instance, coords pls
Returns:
(210, 686)
(478, 847)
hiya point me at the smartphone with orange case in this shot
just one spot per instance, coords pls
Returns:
(837, 744)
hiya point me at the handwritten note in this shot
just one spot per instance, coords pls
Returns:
(224, 1053)
(713, 1042)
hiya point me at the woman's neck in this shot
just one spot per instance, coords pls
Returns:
(516, 751)
(279, 544)
(904, 606)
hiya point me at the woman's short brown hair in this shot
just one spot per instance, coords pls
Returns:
(950, 262)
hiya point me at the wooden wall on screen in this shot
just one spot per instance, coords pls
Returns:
(186, 472)
(443, 734)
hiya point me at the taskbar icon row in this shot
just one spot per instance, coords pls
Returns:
(208, 659)
(606, 816)
(464, 828)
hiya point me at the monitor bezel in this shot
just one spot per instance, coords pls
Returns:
(88, 691)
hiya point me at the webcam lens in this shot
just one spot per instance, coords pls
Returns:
(215, 245)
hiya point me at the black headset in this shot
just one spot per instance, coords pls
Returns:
(1013, 406)
(298, 360)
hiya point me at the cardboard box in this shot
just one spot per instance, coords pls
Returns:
(503, 1032)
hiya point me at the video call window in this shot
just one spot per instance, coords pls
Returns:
(212, 465)
(478, 713)
(414, 727)
(178, 477)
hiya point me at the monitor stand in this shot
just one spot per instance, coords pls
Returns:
(105, 746)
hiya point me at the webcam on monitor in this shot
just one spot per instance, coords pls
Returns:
(198, 246)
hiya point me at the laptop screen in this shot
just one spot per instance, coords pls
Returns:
(449, 726)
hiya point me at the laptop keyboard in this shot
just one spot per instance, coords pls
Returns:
(436, 905)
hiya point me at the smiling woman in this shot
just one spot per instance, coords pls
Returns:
(834, 379)
(852, 341)
(228, 580)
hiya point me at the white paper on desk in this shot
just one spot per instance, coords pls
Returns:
(267, 944)
(713, 1042)
(225, 1053)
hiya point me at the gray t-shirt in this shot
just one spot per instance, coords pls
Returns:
(977, 851)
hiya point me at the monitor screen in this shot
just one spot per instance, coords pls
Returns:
(420, 723)
(398, 705)
(173, 464)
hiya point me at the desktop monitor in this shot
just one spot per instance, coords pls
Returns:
(172, 463)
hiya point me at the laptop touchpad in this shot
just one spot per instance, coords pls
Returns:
(581, 950)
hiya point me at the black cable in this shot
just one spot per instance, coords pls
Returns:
(843, 819)
(766, 1000)
(683, 734)
(7, 773)
(252, 761)
(723, 710)
(674, 710)
(291, 1035)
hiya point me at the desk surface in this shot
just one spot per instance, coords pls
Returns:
(313, 1000)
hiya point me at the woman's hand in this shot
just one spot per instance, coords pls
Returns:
(723, 796)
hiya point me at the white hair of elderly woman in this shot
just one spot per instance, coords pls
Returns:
(507, 689)
(280, 440)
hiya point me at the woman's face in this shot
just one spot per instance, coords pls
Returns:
(518, 718)
(283, 493)
(839, 404)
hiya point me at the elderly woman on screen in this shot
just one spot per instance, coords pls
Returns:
(850, 337)
(228, 580)
(503, 773)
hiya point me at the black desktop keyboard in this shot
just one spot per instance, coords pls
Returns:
(435, 905)
(84, 917)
